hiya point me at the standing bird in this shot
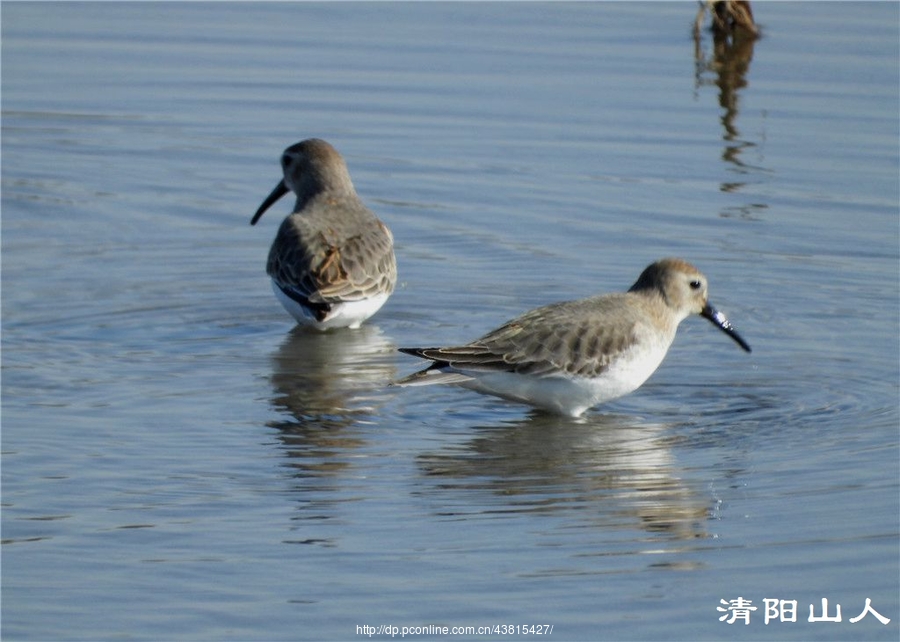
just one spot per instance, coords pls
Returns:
(568, 357)
(332, 262)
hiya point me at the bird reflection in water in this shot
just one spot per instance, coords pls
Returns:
(328, 383)
(610, 471)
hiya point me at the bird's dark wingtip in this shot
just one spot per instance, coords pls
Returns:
(416, 352)
(429, 354)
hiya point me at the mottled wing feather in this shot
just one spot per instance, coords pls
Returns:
(328, 266)
(578, 338)
(362, 267)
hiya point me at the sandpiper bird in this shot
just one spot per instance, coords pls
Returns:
(568, 357)
(332, 262)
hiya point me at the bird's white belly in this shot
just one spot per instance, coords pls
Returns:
(349, 314)
(570, 395)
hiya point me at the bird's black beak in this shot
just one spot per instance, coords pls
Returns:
(280, 190)
(719, 319)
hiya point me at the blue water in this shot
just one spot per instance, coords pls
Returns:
(180, 463)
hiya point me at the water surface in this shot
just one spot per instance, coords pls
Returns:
(180, 463)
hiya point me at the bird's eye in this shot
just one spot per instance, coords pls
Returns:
(696, 285)
(285, 160)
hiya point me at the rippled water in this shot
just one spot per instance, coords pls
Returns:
(179, 463)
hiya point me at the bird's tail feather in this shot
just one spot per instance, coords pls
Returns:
(430, 376)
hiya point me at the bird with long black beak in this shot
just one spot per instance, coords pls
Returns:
(568, 357)
(332, 261)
